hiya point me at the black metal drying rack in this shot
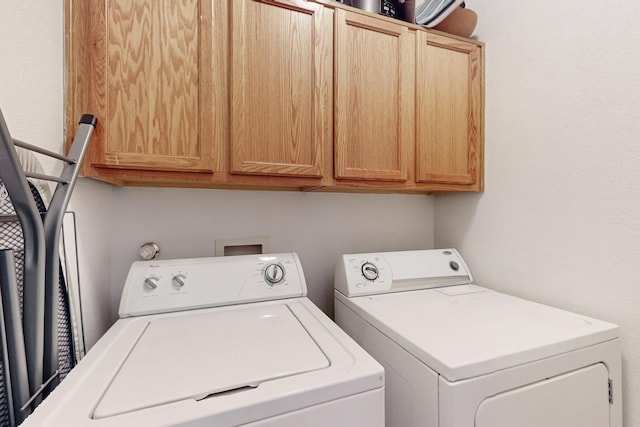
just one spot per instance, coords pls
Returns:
(29, 344)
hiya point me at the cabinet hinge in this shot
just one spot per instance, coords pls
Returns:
(610, 391)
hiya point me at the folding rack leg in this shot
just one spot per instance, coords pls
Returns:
(14, 358)
(52, 228)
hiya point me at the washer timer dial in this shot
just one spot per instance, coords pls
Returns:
(273, 274)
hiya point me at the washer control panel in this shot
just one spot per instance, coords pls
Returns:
(160, 286)
(375, 273)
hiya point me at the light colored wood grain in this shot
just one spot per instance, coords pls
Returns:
(281, 86)
(138, 71)
(196, 113)
(375, 70)
(449, 110)
(153, 77)
(214, 82)
(83, 48)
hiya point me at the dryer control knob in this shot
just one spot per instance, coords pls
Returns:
(273, 274)
(178, 281)
(151, 283)
(369, 271)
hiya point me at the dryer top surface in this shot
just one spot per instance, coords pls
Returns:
(464, 331)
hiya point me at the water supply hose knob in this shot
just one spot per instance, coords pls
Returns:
(149, 251)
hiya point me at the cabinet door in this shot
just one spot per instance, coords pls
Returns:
(280, 87)
(137, 68)
(449, 110)
(374, 105)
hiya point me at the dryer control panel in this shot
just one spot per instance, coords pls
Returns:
(161, 286)
(382, 272)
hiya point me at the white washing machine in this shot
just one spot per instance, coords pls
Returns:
(459, 355)
(230, 341)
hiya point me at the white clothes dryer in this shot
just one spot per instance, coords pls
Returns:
(460, 355)
(229, 341)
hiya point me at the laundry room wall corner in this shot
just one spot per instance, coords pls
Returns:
(558, 221)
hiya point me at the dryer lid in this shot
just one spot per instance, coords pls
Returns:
(465, 331)
(200, 355)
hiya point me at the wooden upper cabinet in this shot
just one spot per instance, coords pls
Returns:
(281, 87)
(374, 101)
(137, 67)
(271, 94)
(449, 111)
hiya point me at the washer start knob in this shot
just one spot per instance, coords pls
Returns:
(178, 281)
(369, 271)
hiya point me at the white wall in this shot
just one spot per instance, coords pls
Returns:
(91, 201)
(559, 221)
(318, 226)
(31, 72)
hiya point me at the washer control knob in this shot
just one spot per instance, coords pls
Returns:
(369, 271)
(151, 283)
(178, 280)
(273, 274)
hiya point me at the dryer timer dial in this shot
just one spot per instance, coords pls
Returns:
(370, 271)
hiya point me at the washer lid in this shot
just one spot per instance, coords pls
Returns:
(465, 331)
(195, 356)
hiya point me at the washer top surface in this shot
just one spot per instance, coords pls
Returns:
(200, 355)
(465, 331)
(211, 341)
(292, 357)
